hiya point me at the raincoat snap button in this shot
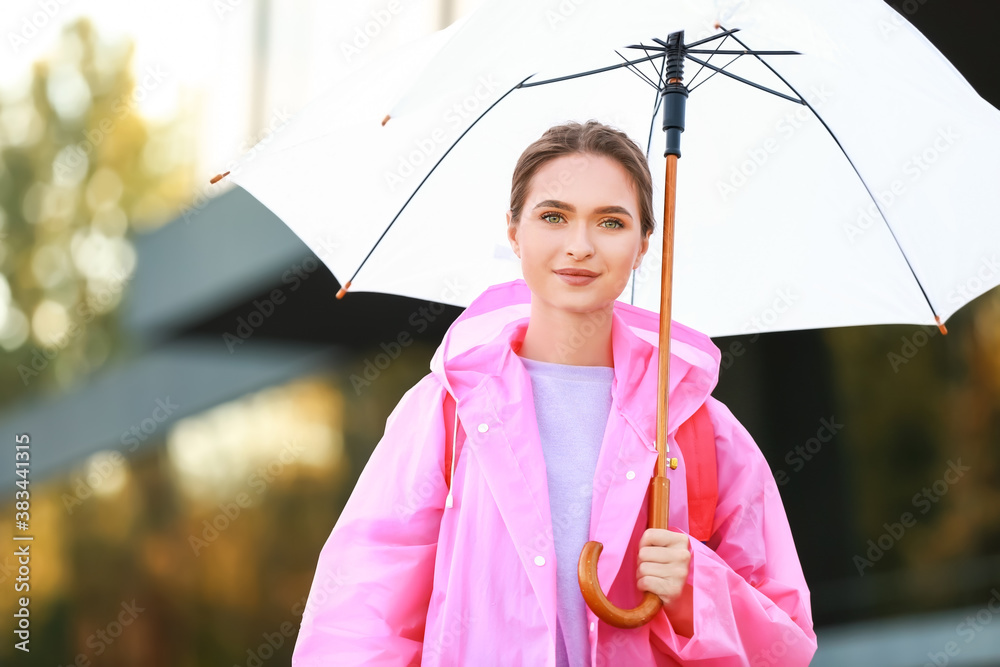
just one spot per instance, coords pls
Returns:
(483, 428)
(591, 626)
(630, 474)
(539, 560)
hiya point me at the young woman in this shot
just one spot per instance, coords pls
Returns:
(555, 386)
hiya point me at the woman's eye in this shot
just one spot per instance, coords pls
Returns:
(556, 217)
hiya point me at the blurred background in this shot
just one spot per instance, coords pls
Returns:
(191, 448)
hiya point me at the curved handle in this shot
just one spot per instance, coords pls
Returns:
(659, 493)
(596, 600)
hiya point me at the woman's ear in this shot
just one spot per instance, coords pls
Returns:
(512, 235)
(642, 251)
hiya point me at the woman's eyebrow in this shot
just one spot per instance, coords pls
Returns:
(555, 203)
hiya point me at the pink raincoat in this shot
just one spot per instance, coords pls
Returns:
(411, 576)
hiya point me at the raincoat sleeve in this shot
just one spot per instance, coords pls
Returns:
(750, 600)
(371, 590)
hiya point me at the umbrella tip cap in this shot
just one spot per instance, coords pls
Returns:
(940, 325)
(343, 290)
(385, 120)
(218, 177)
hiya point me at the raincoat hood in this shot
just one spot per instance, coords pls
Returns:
(483, 342)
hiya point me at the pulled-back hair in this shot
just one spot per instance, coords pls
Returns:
(591, 137)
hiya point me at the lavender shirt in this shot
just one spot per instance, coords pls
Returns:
(572, 405)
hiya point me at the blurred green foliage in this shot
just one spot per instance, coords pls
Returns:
(80, 171)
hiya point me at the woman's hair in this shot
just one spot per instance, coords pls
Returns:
(591, 137)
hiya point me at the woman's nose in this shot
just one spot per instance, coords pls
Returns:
(579, 244)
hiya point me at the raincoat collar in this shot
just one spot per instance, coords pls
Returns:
(483, 341)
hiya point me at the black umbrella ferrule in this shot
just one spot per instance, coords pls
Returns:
(674, 93)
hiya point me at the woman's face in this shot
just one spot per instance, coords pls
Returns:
(581, 214)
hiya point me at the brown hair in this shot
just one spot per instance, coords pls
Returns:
(590, 137)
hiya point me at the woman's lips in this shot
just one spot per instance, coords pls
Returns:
(575, 279)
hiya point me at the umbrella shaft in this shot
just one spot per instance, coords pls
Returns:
(666, 285)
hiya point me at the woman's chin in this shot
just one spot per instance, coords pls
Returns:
(579, 301)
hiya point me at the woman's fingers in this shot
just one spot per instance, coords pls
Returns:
(663, 562)
(661, 537)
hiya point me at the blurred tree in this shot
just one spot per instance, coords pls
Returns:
(80, 170)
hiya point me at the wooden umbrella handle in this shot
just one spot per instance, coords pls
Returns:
(659, 495)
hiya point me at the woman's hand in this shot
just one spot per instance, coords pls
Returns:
(663, 562)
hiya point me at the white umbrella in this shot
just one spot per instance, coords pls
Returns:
(776, 229)
(851, 183)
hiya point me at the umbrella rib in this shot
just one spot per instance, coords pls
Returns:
(702, 68)
(649, 145)
(690, 89)
(724, 33)
(639, 72)
(593, 71)
(428, 175)
(746, 52)
(860, 178)
(747, 81)
(652, 121)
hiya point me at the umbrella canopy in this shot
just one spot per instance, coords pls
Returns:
(866, 198)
